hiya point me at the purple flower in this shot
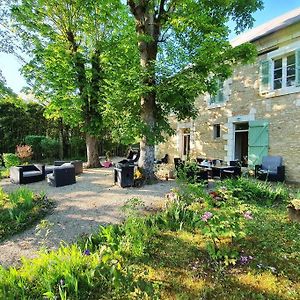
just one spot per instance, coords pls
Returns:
(61, 282)
(87, 252)
(245, 259)
(248, 215)
(206, 216)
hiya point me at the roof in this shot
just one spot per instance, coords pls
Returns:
(268, 28)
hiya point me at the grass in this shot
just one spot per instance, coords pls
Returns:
(157, 258)
(179, 263)
(20, 209)
(4, 173)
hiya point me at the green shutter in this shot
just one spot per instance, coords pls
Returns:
(258, 141)
(297, 52)
(265, 76)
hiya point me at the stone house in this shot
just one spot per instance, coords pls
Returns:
(257, 111)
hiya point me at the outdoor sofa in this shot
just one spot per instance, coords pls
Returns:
(62, 175)
(27, 174)
(78, 165)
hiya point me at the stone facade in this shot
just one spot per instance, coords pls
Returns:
(243, 103)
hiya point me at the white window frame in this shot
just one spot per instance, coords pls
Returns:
(284, 71)
(282, 53)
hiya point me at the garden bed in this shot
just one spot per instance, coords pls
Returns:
(170, 254)
(20, 209)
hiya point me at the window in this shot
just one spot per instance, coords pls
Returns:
(284, 72)
(186, 142)
(219, 97)
(280, 73)
(217, 131)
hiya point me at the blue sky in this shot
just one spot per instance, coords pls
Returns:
(272, 8)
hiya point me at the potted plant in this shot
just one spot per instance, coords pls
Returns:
(107, 163)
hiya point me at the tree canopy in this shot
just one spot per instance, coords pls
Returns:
(184, 51)
(124, 67)
(72, 45)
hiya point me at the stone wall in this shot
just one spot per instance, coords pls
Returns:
(245, 103)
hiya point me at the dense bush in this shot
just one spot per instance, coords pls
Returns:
(35, 141)
(10, 160)
(50, 148)
(18, 119)
(77, 147)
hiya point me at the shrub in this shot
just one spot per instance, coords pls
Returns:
(259, 191)
(24, 152)
(20, 209)
(35, 141)
(50, 147)
(10, 160)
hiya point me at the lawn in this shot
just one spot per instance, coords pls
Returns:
(233, 243)
(179, 262)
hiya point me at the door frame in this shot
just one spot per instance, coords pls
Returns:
(237, 131)
(230, 147)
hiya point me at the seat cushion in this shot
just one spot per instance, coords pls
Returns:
(271, 163)
(49, 169)
(68, 165)
(31, 173)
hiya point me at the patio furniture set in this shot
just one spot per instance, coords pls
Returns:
(60, 174)
(271, 169)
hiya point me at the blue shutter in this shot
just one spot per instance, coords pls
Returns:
(265, 76)
(258, 141)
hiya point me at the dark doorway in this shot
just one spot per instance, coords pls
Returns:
(241, 142)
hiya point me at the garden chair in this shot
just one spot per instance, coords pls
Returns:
(271, 169)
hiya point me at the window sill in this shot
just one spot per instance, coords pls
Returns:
(211, 106)
(281, 92)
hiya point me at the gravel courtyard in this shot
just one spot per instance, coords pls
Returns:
(80, 208)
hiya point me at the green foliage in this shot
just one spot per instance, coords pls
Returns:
(10, 160)
(74, 274)
(261, 192)
(19, 209)
(50, 147)
(35, 141)
(18, 119)
(177, 70)
(189, 172)
(77, 147)
(95, 266)
(179, 247)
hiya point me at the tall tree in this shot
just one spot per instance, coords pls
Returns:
(68, 41)
(184, 49)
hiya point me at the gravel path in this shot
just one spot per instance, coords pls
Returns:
(80, 209)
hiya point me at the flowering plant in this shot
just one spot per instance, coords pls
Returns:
(223, 225)
(24, 152)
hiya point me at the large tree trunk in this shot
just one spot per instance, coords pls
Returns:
(146, 161)
(146, 24)
(92, 152)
